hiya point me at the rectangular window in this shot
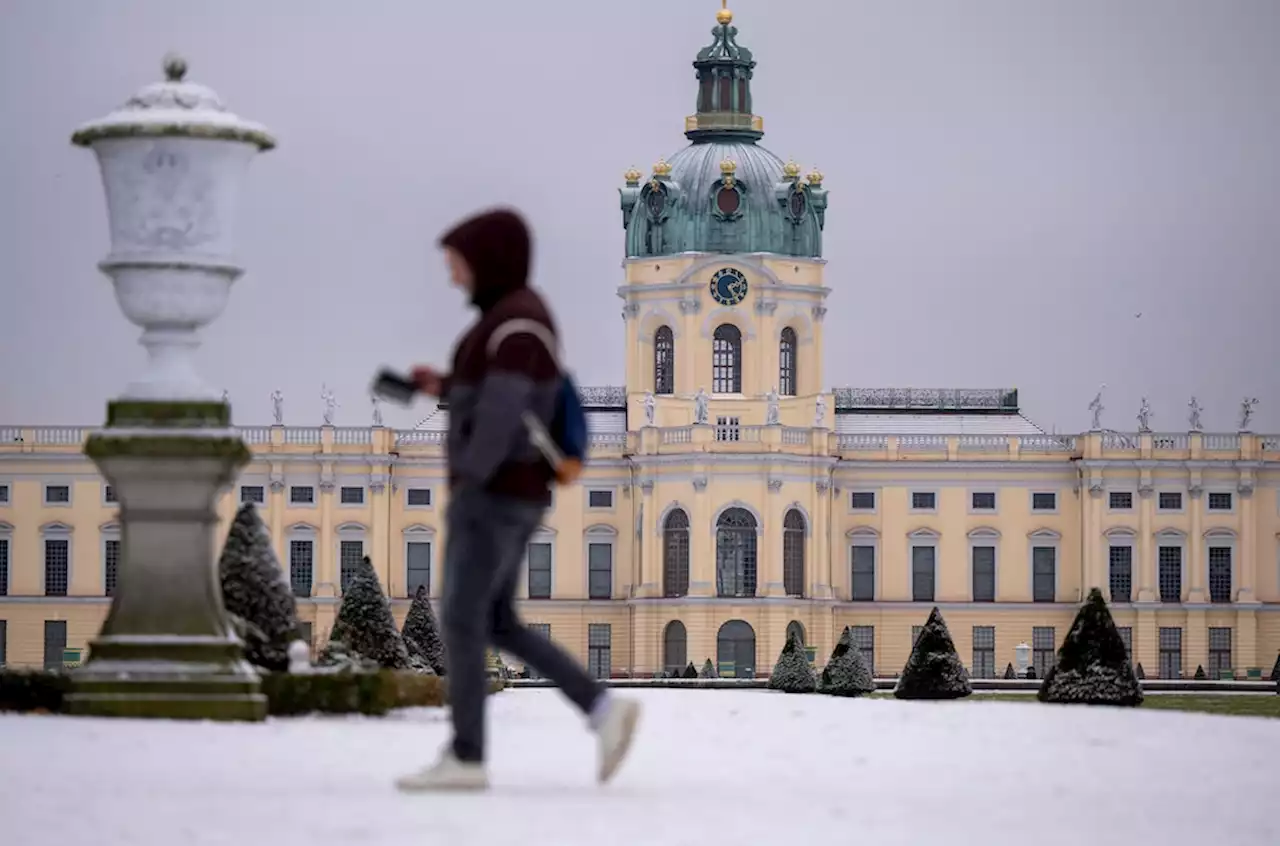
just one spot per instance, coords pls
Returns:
(922, 573)
(110, 565)
(984, 652)
(1044, 573)
(109, 495)
(983, 501)
(600, 499)
(864, 573)
(4, 566)
(1043, 646)
(539, 570)
(1044, 501)
(1169, 501)
(599, 650)
(1220, 574)
(727, 429)
(984, 573)
(600, 571)
(1170, 653)
(418, 562)
(302, 495)
(55, 643)
(418, 497)
(924, 500)
(301, 564)
(4, 642)
(256, 494)
(862, 500)
(57, 566)
(1169, 559)
(350, 554)
(864, 640)
(351, 495)
(1220, 501)
(57, 495)
(4, 494)
(1126, 635)
(1121, 580)
(543, 629)
(1120, 500)
(1219, 653)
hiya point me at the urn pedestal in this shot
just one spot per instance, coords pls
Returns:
(173, 161)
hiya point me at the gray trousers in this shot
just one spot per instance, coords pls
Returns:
(486, 543)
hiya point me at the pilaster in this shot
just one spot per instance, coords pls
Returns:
(1145, 554)
(1195, 646)
(326, 543)
(702, 552)
(1247, 566)
(650, 577)
(1195, 543)
(1245, 642)
(1146, 641)
(769, 580)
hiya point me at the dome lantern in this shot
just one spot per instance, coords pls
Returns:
(724, 70)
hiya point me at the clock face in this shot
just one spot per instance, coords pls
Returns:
(728, 286)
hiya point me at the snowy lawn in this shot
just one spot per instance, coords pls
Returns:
(751, 768)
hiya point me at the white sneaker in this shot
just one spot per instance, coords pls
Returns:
(448, 773)
(615, 730)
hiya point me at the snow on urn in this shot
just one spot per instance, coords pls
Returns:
(173, 162)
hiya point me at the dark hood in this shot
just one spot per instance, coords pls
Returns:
(497, 246)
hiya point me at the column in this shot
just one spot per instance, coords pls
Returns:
(1247, 565)
(381, 551)
(275, 516)
(702, 542)
(1195, 547)
(1144, 551)
(1146, 642)
(649, 579)
(325, 572)
(1195, 641)
(769, 542)
(819, 571)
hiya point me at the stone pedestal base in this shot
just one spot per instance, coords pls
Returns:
(167, 648)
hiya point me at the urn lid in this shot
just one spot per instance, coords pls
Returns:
(175, 108)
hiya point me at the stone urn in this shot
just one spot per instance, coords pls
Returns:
(173, 163)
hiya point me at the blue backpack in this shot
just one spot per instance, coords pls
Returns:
(565, 443)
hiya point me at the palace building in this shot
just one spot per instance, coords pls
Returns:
(731, 498)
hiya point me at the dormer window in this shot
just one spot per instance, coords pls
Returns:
(656, 201)
(796, 204)
(728, 201)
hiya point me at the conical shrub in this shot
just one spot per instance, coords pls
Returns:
(365, 625)
(690, 672)
(792, 673)
(709, 670)
(934, 670)
(256, 593)
(846, 674)
(1275, 671)
(1009, 672)
(422, 635)
(1093, 667)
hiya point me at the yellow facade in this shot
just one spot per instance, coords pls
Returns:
(910, 481)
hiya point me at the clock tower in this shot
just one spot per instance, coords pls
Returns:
(724, 294)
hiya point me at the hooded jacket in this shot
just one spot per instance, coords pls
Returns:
(488, 446)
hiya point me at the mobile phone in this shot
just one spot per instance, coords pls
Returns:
(394, 387)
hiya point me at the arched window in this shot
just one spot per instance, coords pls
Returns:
(675, 554)
(664, 361)
(736, 650)
(793, 530)
(787, 384)
(675, 647)
(726, 360)
(736, 553)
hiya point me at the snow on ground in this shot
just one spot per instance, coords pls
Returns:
(709, 767)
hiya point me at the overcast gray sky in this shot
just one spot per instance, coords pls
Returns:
(1011, 181)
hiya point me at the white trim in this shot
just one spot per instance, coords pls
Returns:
(863, 532)
(969, 504)
(1044, 538)
(600, 534)
(653, 320)
(737, 503)
(870, 537)
(54, 530)
(1224, 538)
(673, 505)
(291, 503)
(109, 503)
(44, 494)
(911, 500)
(987, 537)
(804, 513)
(415, 485)
(1031, 501)
(874, 509)
(717, 317)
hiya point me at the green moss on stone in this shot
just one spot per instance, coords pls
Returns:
(166, 446)
(174, 414)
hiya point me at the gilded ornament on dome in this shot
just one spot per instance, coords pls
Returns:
(791, 170)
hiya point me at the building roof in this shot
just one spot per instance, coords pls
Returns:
(935, 424)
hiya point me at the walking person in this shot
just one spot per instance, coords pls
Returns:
(505, 365)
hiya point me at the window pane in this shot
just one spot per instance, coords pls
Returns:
(301, 560)
(1121, 574)
(984, 574)
(418, 560)
(864, 573)
(539, 564)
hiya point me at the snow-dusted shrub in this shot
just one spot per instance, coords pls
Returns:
(256, 593)
(934, 670)
(365, 624)
(792, 673)
(846, 674)
(1009, 672)
(709, 670)
(422, 635)
(690, 672)
(1275, 671)
(1093, 667)
(1200, 674)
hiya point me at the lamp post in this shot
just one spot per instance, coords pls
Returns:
(1022, 655)
(173, 161)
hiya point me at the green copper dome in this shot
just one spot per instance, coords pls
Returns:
(724, 193)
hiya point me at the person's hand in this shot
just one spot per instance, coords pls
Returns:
(429, 380)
